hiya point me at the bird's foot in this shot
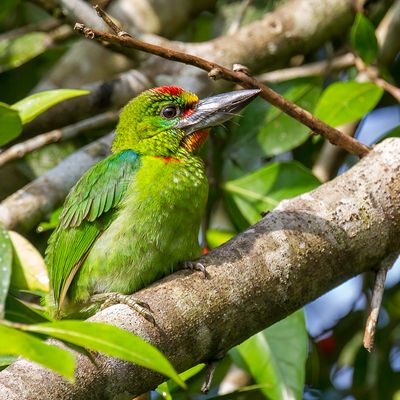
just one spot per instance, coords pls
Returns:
(196, 266)
(110, 299)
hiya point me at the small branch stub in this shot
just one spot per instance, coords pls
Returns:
(376, 301)
(215, 74)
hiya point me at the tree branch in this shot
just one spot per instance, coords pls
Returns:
(215, 71)
(257, 278)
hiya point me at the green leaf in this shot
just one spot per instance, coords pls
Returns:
(16, 343)
(280, 132)
(32, 106)
(5, 360)
(277, 357)
(29, 270)
(166, 388)
(5, 268)
(216, 237)
(263, 189)
(363, 38)
(10, 124)
(110, 340)
(344, 102)
(19, 50)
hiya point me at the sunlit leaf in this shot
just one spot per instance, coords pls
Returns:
(10, 124)
(344, 102)
(277, 356)
(280, 132)
(263, 189)
(110, 340)
(19, 50)
(32, 106)
(166, 388)
(16, 343)
(216, 237)
(29, 269)
(5, 267)
(363, 38)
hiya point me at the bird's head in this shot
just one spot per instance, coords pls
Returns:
(168, 120)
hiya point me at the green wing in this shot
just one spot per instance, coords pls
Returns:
(85, 216)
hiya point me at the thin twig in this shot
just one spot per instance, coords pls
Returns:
(218, 71)
(19, 150)
(376, 301)
(373, 75)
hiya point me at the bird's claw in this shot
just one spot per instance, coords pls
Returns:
(196, 266)
(110, 299)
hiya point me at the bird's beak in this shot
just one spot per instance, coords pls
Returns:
(216, 109)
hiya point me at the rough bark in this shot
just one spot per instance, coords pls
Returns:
(302, 249)
(28, 206)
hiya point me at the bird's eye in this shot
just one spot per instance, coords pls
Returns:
(169, 111)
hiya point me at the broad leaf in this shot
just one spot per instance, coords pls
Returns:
(5, 268)
(344, 102)
(280, 132)
(277, 357)
(363, 38)
(19, 50)
(10, 124)
(29, 269)
(32, 106)
(263, 189)
(16, 343)
(110, 340)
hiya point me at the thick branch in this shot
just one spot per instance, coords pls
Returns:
(302, 249)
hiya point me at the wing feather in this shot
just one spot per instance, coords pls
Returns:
(85, 216)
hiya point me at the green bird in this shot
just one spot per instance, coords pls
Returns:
(135, 216)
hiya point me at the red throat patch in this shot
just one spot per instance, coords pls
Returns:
(195, 140)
